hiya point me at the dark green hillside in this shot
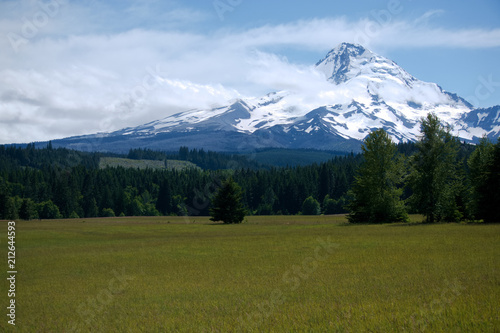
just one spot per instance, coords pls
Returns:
(292, 157)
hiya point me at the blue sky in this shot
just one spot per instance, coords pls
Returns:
(75, 67)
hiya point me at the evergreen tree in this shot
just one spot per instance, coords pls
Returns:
(164, 200)
(27, 211)
(226, 204)
(4, 197)
(484, 166)
(11, 211)
(493, 203)
(434, 178)
(90, 208)
(480, 163)
(376, 191)
(267, 202)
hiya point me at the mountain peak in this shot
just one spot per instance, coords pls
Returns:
(343, 51)
(367, 91)
(338, 62)
(350, 49)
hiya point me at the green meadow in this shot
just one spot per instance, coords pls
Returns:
(113, 162)
(269, 274)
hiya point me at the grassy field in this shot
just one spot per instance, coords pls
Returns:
(145, 164)
(270, 274)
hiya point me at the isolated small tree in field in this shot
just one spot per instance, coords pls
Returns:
(434, 179)
(226, 204)
(376, 191)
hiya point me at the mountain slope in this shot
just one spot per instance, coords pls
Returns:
(365, 91)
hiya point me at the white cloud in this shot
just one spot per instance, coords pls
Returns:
(73, 78)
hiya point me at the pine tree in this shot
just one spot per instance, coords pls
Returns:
(164, 200)
(480, 162)
(493, 211)
(4, 197)
(484, 166)
(11, 211)
(226, 204)
(376, 191)
(434, 178)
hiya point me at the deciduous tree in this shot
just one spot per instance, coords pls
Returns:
(434, 179)
(311, 206)
(376, 191)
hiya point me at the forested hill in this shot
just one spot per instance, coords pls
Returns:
(52, 183)
(12, 157)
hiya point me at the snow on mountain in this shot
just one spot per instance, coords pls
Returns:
(384, 87)
(365, 91)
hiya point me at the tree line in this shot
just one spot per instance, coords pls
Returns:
(207, 160)
(438, 176)
(437, 180)
(59, 183)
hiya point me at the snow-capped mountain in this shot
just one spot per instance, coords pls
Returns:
(365, 91)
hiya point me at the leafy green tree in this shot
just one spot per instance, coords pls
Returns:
(150, 210)
(311, 206)
(376, 191)
(179, 204)
(48, 210)
(108, 212)
(332, 206)
(74, 215)
(434, 178)
(227, 205)
(136, 207)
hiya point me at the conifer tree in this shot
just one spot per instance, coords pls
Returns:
(480, 162)
(484, 164)
(226, 205)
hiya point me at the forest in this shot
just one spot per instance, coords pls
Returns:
(52, 183)
(59, 183)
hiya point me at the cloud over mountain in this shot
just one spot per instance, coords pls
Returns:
(361, 91)
(79, 71)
